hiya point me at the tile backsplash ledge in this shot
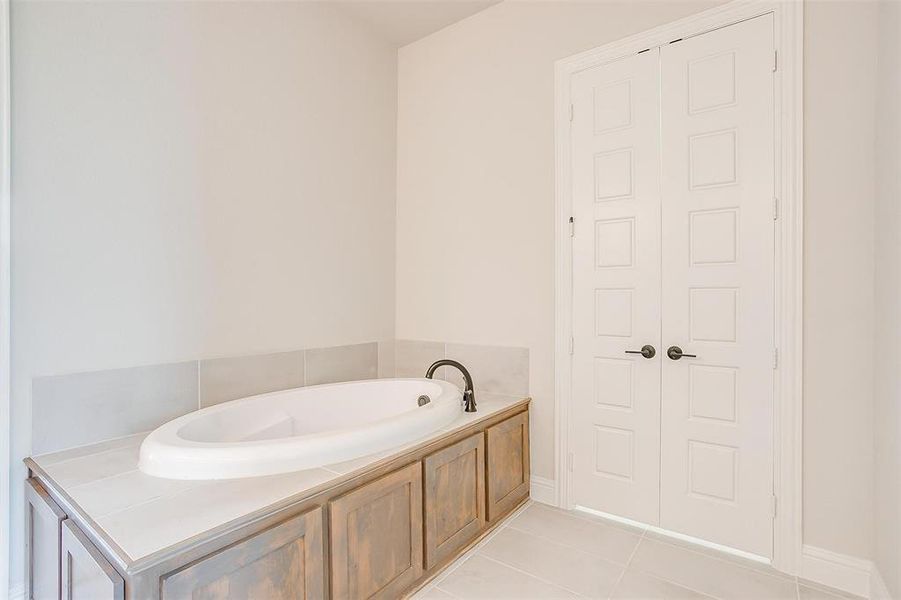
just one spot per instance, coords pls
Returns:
(496, 369)
(86, 408)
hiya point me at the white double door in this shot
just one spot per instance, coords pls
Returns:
(673, 201)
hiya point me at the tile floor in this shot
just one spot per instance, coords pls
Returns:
(544, 552)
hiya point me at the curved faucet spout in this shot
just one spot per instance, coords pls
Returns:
(469, 396)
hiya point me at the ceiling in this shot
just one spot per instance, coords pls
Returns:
(405, 21)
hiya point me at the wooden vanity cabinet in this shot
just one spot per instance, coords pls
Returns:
(86, 574)
(454, 498)
(43, 536)
(284, 562)
(507, 456)
(375, 533)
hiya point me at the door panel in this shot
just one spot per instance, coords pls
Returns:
(616, 287)
(281, 563)
(376, 536)
(454, 497)
(86, 574)
(508, 468)
(43, 537)
(718, 251)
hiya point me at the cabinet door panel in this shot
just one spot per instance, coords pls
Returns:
(281, 563)
(454, 497)
(508, 464)
(86, 574)
(43, 531)
(376, 536)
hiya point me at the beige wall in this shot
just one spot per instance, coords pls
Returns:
(475, 224)
(839, 121)
(887, 409)
(194, 180)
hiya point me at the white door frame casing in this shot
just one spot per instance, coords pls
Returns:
(5, 322)
(789, 23)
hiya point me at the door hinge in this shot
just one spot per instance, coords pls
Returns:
(572, 227)
(775, 60)
(572, 345)
(774, 503)
(569, 461)
(775, 208)
(775, 358)
(572, 113)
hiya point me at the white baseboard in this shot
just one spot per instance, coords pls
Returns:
(543, 490)
(840, 571)
(17, 592)
(878, 589)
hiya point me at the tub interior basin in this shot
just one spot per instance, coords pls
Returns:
(298, 429)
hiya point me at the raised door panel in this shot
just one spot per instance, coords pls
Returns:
(508, 464)
(616, 286)
(86, 573)
(43, 536)
(376, 536)
(718, 273)
(454, 497)
(284, 562)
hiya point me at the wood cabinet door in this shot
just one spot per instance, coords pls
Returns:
(454, 497)
(284, 562)
(508, 464)
(376, 537)
(43, 538)
(86, 573)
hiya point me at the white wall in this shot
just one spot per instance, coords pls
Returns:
(887, 409)
(194, 180)
(475, 221)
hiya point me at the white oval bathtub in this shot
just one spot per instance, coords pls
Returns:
(298, 429)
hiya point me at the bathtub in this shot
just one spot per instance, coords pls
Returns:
(298, 429)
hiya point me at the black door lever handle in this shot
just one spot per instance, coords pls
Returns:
(675, 353)
(647, 351)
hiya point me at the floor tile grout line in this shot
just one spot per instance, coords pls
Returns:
(472, 551)
(738, 561)
(532, 575)
(565, 545)
(665, 579)
(724, 558)
(558, 542)
(628, 562)
(438, 587)
(643, 537)
(679, 584)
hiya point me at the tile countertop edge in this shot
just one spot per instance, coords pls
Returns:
(110, 548)
(128, 564)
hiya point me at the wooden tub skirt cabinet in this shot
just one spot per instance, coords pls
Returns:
(381, 532)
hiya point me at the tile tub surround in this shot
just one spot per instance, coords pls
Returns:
(86, 408)
(79, 409)
(545, 552)
(224, 379)
(497, 369)
(143, 515)
(342, 363)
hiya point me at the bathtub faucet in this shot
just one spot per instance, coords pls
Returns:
(469, 396)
